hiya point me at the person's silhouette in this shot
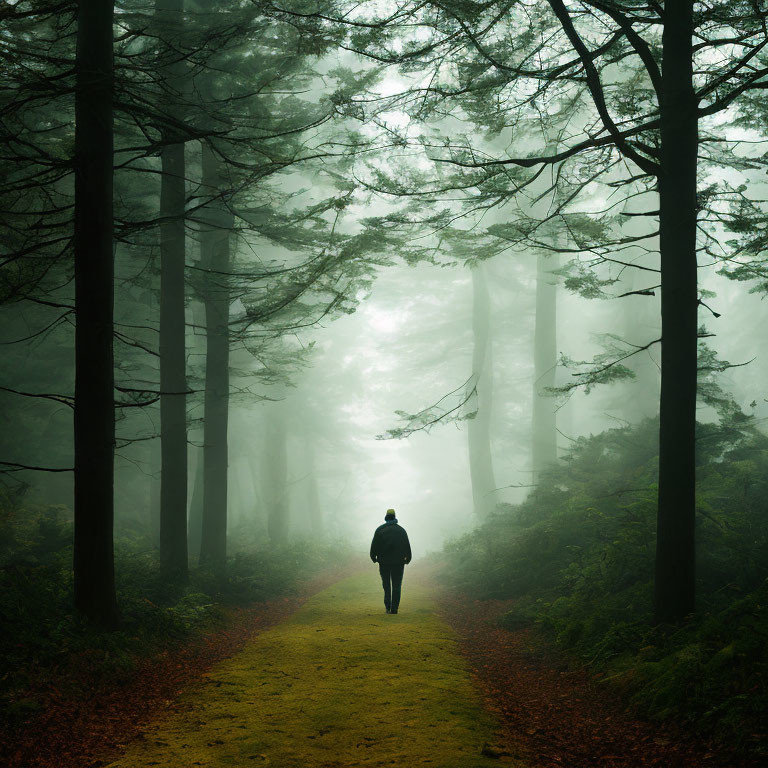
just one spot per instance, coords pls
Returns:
(391, 549)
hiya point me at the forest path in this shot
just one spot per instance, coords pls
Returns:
(339, 684)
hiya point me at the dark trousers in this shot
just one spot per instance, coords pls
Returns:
(391, 580)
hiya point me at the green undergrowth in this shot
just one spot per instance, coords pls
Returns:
(44, 644)
(577, 558)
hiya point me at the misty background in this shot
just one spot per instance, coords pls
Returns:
(267, 271)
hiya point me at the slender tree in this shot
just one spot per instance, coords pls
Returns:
(197, 439)
(215, 258)
(173, 359)
(544, 448)
(94, 424)
(479, 430)
(195, 515)
(675, 582)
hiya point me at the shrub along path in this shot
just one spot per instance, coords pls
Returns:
(338, 684)
(558, 716)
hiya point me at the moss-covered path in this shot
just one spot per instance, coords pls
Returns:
(338, 684)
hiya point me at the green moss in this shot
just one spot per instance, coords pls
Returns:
(339, 684)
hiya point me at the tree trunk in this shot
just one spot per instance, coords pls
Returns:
(154, 490)
(196, 450)
(675, 550)
(545, 367)
(479, 431)
(215, 257)
(173, 380)
(195, 515)
(153, 445)
(94, 417)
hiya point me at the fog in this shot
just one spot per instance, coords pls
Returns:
(270, 272)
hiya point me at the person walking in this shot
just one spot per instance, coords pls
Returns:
(391, 549)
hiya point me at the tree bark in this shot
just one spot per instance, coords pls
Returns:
(173, 379)
(195, 515)
(544, 448)
(154, 490)
(479, 431)
(153, 447)
(94, 415)
(215, 256)
(675, 547)
(196, 449)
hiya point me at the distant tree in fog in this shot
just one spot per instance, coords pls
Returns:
(543, 427)
(479, 427)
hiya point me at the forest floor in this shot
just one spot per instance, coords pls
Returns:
(335, 682)
(556, 714)
(81, 716)
(339, 684)
(72, 731)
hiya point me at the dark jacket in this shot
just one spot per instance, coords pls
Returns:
(390, 545)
